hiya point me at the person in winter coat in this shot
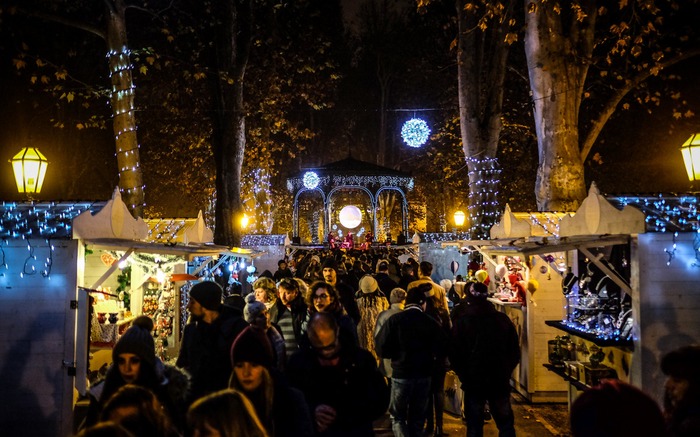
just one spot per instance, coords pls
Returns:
(135, 362)
(370, 302)
(484, 351)
(397, 299)
(207, 339)
(322, 297)
(682, 391)
(257, 315)
(281, 408)
(289, 313)
(342, 385)
(225, 413)
(414, 342)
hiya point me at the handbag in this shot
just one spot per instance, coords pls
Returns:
(454, 396)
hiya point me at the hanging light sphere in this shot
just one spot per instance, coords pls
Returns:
(415, 132)
(311, 180)
(350, 216)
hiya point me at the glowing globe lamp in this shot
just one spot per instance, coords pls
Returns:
(311, 180)
(350, 216)
(415, 132)
(691, 157)
(459, 218)
(29, 166)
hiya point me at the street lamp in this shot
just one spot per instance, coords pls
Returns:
(459, 218)
(29, 166)
(691, 157)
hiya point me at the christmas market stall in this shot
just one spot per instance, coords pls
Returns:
(350, 203)
(74, 275)
(602, 293)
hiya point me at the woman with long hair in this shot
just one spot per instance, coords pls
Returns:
(322, 297)
(282, 410)
(227, 413)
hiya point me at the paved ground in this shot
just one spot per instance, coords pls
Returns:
(531, 420)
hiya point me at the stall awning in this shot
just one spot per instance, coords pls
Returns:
(538, 245)
(188, 252)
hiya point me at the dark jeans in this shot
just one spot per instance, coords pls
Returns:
(408, 406)
(500, 410)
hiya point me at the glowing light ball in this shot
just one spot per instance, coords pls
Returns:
(311, 180)
(350, 216)
(415, 132)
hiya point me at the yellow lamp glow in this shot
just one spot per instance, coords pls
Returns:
(691, 157)
(459, 218)
(244, 221)
(29, 166)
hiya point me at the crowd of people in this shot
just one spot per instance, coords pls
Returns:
(331, 342)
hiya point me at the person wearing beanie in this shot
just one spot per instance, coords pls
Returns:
(484, 350)
(397, 299)
(413, 341)
(341, 284)
(370, 301)
(281, 409)
(207, 339)
(682, 391)
(134, 361)
(258, 316)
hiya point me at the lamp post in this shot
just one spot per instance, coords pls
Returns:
(459, 219)
(691, 156)
(29, 167)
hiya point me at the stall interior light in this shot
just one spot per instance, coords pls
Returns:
(29, 167)
(691, 156)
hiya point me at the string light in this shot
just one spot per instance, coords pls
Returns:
(483, 195)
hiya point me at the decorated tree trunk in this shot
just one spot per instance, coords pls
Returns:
(481, 55)
(558, 48)
(122, 102)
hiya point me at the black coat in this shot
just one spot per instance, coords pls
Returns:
(206, 351)
(355, 388)
(413, 341)
(484, 348)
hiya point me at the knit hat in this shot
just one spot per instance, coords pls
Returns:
(252, 346)
(208, 294)
(416, 296)
(316, 258)
(330, 263)
(253, 308)
(368, 284)
(137, 340)
(398, 295)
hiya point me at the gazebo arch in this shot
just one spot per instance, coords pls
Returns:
(351, 174)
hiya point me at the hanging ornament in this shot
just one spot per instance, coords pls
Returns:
(415, 132)
(310, 180)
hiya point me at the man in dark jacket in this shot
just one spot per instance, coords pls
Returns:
(341, 382)
(484, 351)
(207, 339)
(386, 284)
(288, 313)
(414, 342)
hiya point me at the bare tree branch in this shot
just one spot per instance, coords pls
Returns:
(611, 105)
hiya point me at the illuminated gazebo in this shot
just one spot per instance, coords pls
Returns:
(350, 196)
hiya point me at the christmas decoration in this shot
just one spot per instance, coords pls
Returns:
(415, 132)
(311, 180)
